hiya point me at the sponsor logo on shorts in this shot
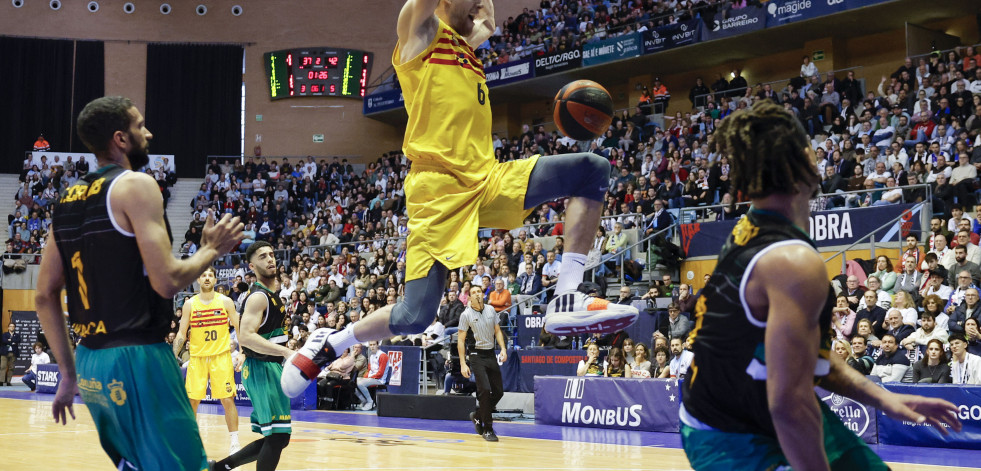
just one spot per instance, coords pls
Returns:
(117, 393)
(228, 387)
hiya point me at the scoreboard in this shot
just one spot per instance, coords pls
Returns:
(317, 71)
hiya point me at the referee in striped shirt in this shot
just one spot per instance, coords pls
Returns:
(482, 320)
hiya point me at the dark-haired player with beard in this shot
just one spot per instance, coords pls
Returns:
(762, 335)
(110, 247)
(263, 338)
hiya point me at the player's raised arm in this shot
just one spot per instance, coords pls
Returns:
(138, 198)
(416, 26)
(483, 24)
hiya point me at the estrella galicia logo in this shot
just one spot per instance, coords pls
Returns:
(852, 413)
(574, 388)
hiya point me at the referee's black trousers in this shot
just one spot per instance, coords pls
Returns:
(490, 384)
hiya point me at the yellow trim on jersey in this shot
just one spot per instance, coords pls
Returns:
(208, 330)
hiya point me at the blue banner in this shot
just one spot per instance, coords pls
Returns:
(735, 22)
(968, 402)
(510, 72)
(827, 228)
(671, 36)
(383, 101)
(523, 365)
(403, 377)
(558, 62)
(858, 417)
(611, 49)
(781, 12)
(608, 403)
(48, 378)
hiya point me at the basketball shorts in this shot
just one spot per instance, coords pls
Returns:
(270, 406)
(445, 212)
(140, 408)
(717, 450)
(216, 367)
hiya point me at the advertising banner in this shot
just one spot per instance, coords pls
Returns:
(558, 62)
(395, 359)
(608, 403)
(903, 432)
(781, 12)
(510, 72)
(671, 36)
(404, 361)
(611, 49)
(27, 326)
(736, 22)
(827, 228)
(858, 417)
(383, 101)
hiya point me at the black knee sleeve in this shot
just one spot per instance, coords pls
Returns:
(420, 304)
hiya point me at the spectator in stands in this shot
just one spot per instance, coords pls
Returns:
(698, 95)
(966, 310)
(962, 264)
(842, 317)
(859, 359)
(677, 326)
(934, 367)
(894, 326)
(910, 279)
(853, 291)
(973, 335)
(874, 313)
(450, 309)
(641, 366)
(338, 374)
(550, 271)
(681, 358)
(660, 367)
(41, 144)
(500, 297)
(928, 331)
(907, 308)
(935, 283)
(38, 357)
(591, 365)
(628, 350)
(965, 366)
(377, 375)
(892, 364)
(883, 299)
(885, 273)
(616, 365)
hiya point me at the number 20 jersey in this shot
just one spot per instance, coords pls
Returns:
(110, 300)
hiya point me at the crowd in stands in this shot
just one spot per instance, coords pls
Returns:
(563, 25)
(40, 186)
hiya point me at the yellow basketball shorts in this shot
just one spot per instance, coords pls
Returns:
(216, 367)
(445, 212)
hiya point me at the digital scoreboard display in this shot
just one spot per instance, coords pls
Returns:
(317, 71)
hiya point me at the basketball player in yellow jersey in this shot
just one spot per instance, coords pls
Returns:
(456, 186)
(205, 322)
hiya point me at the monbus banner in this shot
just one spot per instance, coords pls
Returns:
(827, 228)
(609, 403)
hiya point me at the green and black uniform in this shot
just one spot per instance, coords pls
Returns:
(261, 373)
(127, 375)
(726, 422)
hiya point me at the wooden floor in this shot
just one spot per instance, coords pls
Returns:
(29, 440)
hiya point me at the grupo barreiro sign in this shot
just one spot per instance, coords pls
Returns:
(611, 49)
(558, 62)
(741, 21)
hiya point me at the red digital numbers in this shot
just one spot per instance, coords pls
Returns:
(362, 92)
(320, 61)
(333, 88)
(306, 60)
(365, 59)
(289, 59)
(315, 89)
(303, 88)
(332, 61)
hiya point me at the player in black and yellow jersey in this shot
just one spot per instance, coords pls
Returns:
(110, 248)
(762, 332)
(263, 338)
(206, 322)
(456, 186)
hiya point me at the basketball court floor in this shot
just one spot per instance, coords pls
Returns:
(30, 440)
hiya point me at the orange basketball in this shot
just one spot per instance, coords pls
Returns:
(583, 110)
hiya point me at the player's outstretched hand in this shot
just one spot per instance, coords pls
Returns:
(919, 409)
(64, 399)
(223, 235)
